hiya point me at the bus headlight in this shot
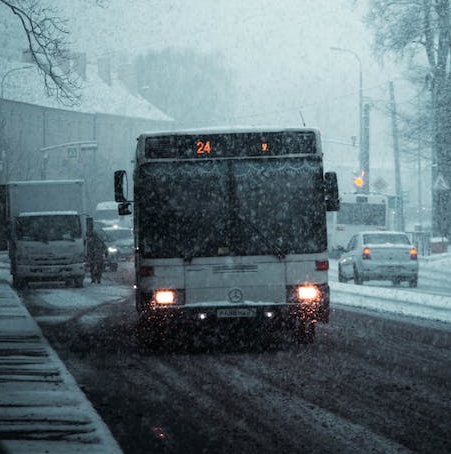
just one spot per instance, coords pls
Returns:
(308, 293)
(164, 297)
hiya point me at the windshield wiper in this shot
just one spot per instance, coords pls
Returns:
(277, 251)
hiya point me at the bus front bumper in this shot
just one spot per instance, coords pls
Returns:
(276, 316)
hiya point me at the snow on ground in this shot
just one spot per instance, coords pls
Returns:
(394, 301)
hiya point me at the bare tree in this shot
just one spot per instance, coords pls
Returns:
(420, 31)
(47, 37)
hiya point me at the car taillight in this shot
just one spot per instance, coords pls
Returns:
(413, 254)
(366, 253)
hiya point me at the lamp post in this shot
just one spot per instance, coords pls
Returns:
(8, 73)
(361, 144)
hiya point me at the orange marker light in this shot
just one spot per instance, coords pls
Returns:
(265, 146)
(359, 181)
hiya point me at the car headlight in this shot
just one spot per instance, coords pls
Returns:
(112, 249)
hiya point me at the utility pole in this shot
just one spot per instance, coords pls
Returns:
(398, 186)
(365, 154)
(361, 112)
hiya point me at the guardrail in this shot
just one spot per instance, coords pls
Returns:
(422, 241)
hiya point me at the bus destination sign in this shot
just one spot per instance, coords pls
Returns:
(189, 146)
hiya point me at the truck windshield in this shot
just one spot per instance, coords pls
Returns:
(48, 228)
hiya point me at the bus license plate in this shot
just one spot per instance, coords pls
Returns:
(237, 312)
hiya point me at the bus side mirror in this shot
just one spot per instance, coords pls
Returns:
(331, 191)
(120, 186)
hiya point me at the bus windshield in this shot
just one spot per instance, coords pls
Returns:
(231, 207)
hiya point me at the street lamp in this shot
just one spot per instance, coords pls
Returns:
(361, 149)
(9, 72)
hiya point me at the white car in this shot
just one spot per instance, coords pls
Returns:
(377, 255)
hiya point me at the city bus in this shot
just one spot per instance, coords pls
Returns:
(230, 230)
(358, 212)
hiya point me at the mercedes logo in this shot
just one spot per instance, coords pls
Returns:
(235, 295)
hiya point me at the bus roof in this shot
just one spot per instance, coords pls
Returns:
(226, 130)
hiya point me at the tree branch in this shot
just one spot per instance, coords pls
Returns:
(46, 34)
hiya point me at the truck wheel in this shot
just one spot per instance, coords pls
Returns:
(78, 282)
(18, 283)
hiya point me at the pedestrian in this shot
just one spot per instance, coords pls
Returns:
(97, 252)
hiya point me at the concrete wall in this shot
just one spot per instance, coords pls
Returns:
(26, 128)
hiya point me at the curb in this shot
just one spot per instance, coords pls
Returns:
(42, 409)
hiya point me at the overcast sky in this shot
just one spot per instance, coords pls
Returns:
(279, 52)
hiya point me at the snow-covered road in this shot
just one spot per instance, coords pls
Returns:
(374, 380)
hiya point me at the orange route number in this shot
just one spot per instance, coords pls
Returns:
(203, 147)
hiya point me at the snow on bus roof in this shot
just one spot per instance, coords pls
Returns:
(226, 130)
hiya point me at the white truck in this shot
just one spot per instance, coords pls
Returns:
(47, 231)
(106, 215)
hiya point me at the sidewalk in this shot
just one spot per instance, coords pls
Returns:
(42, 410)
